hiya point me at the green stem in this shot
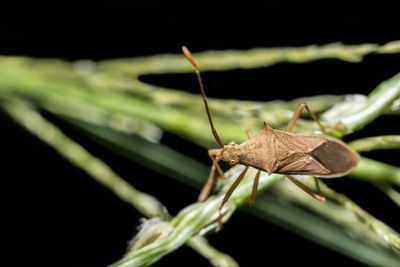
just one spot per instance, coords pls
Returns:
(376, 142)
(376, 172)
(252, 58)
(390, 192)
(378, 100)
(211, 253)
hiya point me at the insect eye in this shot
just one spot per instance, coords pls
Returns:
(232, 143)
(232, 162)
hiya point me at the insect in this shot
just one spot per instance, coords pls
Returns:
(282, 152)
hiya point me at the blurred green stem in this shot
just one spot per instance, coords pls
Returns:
(376, 172)
(376, 142)
(377, 101)
(252, 58)
(390, 192)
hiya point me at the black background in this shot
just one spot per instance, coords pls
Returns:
(56, 215)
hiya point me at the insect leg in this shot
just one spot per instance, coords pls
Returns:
(229, 193)
(317, 186)
(233, 186)
(211, 153)
(335, 126)
(207, 187)
(256, 179)
(296, 115)
(306, 189)
(254, 190)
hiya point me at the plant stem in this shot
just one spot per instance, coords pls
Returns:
(390, 192)
(376, 142)
(377, 101)
(201, 245)
(376, 172)
(253, 58)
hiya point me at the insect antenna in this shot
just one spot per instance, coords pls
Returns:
(188, 55)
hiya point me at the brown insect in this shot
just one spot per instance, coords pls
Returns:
(282, 152)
